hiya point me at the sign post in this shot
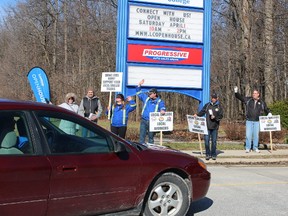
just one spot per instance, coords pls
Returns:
(270, 123)
(161, 122)
(111, 82)
(197, 125)
(200, 144)
(271, 141)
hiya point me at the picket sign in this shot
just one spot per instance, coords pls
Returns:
(111, 82)
(160, 122)
(270, 123)
(197, 125)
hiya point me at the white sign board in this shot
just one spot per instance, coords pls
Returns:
(165, 24)
(197, 124)
(159, 122)
(270, 123)
(163, 76)
(184, 3)
(111, 82)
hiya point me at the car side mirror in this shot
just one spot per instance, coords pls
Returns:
(119, 147)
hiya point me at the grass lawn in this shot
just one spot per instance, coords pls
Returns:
(177, 140)
(195, 146)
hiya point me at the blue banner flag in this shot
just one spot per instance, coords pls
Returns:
(39, 84)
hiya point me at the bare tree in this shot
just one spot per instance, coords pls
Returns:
(269, 63)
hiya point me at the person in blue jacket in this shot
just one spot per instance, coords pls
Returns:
(151, 103)
(119, 114)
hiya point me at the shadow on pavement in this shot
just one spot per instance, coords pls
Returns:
(199, 206)
(199, 152)
(219, 152)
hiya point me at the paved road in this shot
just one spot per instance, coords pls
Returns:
(245, 191)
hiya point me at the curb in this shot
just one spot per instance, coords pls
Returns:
(238, 161)
(239, 157)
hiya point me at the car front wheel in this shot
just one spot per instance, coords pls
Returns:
(169, 196)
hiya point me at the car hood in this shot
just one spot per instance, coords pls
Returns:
(160, 148)
(157, 148)
(144, 146)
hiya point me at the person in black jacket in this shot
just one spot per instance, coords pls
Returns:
(90, 108)
(214, 113)
(255, 107)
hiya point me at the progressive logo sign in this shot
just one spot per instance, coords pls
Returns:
(165, 55)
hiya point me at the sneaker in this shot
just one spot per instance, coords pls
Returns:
(257, 151)
(214, 158)
(207, 157)
(247, 151)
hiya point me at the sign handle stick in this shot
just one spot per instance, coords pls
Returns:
(200, 145)
(271, 144)
(161, 138)
(110, 98)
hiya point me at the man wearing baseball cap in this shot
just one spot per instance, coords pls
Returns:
(214, 113)
(151, 103)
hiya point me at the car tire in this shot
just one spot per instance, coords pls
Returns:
(169, 196)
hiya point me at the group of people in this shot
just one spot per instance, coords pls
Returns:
(90, 107)
(213, 111)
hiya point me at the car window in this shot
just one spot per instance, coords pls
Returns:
(15, 138)
(65, 134)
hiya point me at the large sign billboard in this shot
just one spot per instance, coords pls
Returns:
(167, 43)
(165, 54)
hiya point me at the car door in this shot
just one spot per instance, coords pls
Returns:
(24, 170)
(87, 176)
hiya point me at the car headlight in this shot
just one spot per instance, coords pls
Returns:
(202, 163)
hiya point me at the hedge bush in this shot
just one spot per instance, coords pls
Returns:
(234, 130)
(237, 131)
(281, 108)
(277, 136)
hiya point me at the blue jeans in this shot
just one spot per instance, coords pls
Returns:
(252, 131)
(144, 129)
(213, 135)
(87, 133)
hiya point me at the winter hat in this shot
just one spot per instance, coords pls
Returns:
(121, 96)
(70, 95)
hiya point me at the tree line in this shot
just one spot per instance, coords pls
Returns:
(74, 41)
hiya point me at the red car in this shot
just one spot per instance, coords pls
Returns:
(46, 171)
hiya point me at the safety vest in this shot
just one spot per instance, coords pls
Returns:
(124, 115)
(156, 107)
